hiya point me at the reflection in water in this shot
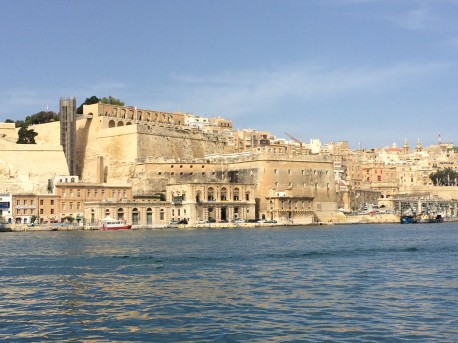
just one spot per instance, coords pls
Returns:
(341, 284)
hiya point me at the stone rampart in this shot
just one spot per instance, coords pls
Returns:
(27, 167)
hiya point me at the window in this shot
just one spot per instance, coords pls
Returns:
(41, 202)
(236, 194)
(52, 211)
(63, 206)
(78, 206)
(210, 194)
(223, 194)
(18, 202)
(71, 206)
(31, 202)
(161, 214)
(25, 202)
(149, 216)
(78, 193)
(135, 216)
(71, 193)
(52, 201)
(41, 211)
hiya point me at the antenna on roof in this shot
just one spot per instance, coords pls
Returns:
(439, 139)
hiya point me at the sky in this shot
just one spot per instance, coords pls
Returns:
(370, 72)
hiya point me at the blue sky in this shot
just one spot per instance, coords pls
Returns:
(371, 72)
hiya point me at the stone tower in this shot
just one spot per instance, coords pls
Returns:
(67, 112)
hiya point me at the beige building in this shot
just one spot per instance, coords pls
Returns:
(43, 208)
(190, 202)
(215, 201)
(74, 196)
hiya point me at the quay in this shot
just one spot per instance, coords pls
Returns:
(341, 219)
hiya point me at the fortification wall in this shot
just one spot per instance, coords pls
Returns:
(26, 168)
(121, 147)
(48, 133)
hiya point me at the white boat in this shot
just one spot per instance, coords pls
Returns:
(114, 224)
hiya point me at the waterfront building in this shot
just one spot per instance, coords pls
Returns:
(6, 211)
(35, 208)
(212, 202)
(74, 196)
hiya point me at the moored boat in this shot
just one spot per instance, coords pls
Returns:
(424, 219)
(114, 224)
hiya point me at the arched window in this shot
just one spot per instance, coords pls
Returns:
(111, 123)
(161, 214)
(210, 194)
(223, 194)
(135, 216)
(236, 194)
(107, 212)
(120, 213)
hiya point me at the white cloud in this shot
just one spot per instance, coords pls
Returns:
(253, 92)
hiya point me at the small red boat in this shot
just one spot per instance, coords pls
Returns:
(114, 224)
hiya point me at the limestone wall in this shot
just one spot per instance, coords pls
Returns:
(48, 133)
(27, 167)
(123, 147)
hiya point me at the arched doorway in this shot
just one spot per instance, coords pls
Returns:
(120, 213)
(135, 216)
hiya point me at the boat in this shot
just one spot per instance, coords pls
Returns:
(424, 219)
(408, 220)
(114, 224)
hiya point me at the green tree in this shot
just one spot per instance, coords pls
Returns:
(89, 101)
(444, 177)
(111, 100)
(41, 118)
(26, 136)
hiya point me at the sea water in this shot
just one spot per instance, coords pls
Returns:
(360, 283)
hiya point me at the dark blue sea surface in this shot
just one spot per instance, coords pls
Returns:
(361, 283)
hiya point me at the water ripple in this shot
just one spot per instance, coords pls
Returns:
(318, 285)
